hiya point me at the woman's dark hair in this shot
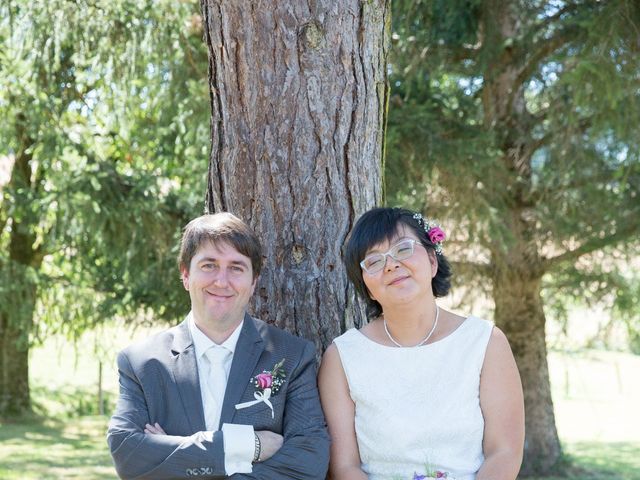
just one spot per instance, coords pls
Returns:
(376, 226)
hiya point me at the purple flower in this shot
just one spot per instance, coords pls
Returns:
(431, 474)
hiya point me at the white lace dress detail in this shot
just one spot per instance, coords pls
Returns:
(418, 408)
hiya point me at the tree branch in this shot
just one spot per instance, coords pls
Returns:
(537, 143)
(545, 49)
(551, 19)
(592, 245)
(3, 220)
(472, 268)
(582, 126)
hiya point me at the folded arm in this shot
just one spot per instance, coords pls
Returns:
(305, 451)
(140, 455)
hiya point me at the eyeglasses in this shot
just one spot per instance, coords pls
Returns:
(400, 251)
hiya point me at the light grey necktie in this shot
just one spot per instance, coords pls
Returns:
(217, 383)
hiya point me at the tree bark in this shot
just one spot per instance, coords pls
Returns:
(298, 99)
(15, 397)
(520, 315)
(18, 283)
(16, 320)
(518, 269)
(14, 371)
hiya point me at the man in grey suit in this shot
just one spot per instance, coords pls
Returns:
(222, 394)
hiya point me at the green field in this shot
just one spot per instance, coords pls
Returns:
(596, 397)
(73, 449)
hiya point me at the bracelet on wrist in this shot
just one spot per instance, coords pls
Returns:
(258, 448)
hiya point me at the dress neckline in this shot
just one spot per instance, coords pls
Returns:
(421, 347)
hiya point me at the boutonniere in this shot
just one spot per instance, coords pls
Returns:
(267, 384)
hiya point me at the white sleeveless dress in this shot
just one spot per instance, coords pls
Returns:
(418, 409)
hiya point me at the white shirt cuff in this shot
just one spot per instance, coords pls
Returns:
(239, 448)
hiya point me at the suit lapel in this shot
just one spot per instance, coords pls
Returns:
(247, 353)
(185, 371)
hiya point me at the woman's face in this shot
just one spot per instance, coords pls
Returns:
(401, 281)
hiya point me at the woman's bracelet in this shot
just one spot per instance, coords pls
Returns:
(258, 448)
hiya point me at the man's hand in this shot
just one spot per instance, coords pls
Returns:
(155, 429)
(270, 443)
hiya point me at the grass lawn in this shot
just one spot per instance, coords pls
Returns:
(596, 397)
(55, 450)
(620, 460)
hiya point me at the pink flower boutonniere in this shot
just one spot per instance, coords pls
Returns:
(267, 384)
(272, 379)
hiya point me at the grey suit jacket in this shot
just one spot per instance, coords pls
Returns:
(159, 383)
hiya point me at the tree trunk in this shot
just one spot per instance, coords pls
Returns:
(14, 369)
(298, 100)
(18, 282)
(517, 276)
(518, 269)
(16, 319)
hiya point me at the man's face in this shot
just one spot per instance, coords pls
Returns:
(220, 283)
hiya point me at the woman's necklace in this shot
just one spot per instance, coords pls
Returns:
(424, 340)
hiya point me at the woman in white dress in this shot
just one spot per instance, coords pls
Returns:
(418, 392)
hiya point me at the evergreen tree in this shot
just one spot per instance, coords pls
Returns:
(516, 122)
(102, 131)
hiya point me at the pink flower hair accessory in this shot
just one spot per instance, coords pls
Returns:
(433, 230)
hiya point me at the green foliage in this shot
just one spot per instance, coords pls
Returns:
(561, 158)
(105, 137)
(626, 307)
(70, 402)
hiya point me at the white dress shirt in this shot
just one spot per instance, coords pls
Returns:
(239, 443)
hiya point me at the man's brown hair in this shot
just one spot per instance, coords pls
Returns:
(220, 228)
